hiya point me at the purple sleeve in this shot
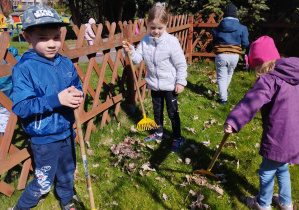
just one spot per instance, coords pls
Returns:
(251, 103)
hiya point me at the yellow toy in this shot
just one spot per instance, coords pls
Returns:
(3, 24)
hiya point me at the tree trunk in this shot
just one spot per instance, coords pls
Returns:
(75, 12)
(5, 5)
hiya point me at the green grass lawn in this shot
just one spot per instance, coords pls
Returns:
(169, 183)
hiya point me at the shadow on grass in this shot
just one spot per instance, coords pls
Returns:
(235, 182)
(200, 89)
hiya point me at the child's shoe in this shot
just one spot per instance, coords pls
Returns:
(154, 136)
(253, 204)
(177, 143)
(221, 102)
(275, 200)
(69, 206)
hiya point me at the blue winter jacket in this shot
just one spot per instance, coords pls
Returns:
(36, 84)
(231, 32)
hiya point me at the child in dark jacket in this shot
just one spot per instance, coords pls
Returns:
(229, 39)
(276, 94)
(46, 89)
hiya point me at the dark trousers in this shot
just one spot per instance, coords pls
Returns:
(172, 109)
(53, 160)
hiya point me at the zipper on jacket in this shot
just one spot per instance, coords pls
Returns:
(155, 67)
(40, 122)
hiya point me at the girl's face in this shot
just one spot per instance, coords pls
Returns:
(156, 28)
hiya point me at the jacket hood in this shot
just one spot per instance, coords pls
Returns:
(31, 54)
(229, 24)
(287, 69)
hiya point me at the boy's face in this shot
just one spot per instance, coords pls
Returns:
(45, 41)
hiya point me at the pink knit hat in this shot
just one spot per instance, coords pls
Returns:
(262, 50)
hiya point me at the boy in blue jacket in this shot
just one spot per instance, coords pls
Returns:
(230, 37)
(46, 89)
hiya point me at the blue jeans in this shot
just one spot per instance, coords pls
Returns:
(53, 160)
(225, 66)
(268, 169)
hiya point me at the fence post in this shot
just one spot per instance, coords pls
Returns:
(190, 39)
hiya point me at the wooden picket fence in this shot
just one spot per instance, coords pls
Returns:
(108, 84)
(102, 97)
(10, 154)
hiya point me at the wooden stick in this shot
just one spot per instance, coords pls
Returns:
(226, 135)
(136, 83)
(82, 148)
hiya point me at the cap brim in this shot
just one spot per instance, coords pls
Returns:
(48, 23)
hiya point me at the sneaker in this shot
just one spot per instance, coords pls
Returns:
(154, 136)
(275, 200)
(177, 143)
(253, 204)
(69, 206)
(221, 102)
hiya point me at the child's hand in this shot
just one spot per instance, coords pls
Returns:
(70, 97)
(228, 129)
(179, 88)
(127, 46)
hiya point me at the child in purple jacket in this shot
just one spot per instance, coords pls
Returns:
(276, 94)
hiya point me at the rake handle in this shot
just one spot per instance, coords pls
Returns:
(83, 154)
(136, 83)
(226, 135)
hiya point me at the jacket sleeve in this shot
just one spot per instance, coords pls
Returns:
(25, 100)
(244, 38)
(251, 103)
(179, 62)
(90, 32)
(136, 55)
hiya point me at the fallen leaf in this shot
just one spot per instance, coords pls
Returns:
(187, 161)
(95, 165)
(90, 152)
(152, 147)
(158, 141)
(133, 129)
(216, 188)
(160, 179)
(87, 143)
(191, 129)
(231, 144)
(206, 143)
(165, 196)
(146, 167)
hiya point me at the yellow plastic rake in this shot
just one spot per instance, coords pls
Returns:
(145, 123)
(208, 171)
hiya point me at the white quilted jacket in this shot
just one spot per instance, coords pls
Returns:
(165, 61)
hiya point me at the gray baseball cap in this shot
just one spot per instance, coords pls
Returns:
(41, 15)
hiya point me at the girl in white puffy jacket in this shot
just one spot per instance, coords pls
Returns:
(166, 71)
